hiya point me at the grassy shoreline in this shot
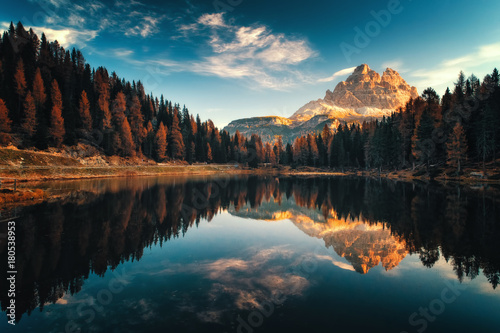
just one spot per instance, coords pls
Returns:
(31, 167)
(48, 173)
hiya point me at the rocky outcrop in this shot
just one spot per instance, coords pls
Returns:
(365, 88)
(365, 95)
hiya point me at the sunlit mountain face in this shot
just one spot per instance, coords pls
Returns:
(208, 251)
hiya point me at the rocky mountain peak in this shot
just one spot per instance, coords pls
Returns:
(364, 95)
(365, 88)
(363, 73)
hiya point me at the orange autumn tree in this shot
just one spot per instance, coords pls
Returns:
(29, 117)
(101, 82)
(161, 142)
(56, 130)
(128, 147)
(5, 123)
(39, 95)
(84, 110)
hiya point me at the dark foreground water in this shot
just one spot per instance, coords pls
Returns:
(255, 255)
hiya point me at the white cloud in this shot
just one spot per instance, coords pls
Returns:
(447, 72)
(131, 17)
(76, 20)
(252, 53)
(67, 36)
(147, 26)
(212, 20)
(122, 52)
(345, 71)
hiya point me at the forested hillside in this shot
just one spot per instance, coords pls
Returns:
(51, 97)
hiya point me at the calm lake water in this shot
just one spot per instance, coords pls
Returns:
(255, 254)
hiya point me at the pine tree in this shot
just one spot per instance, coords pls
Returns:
(279, 149)
(176, 142)
(457, 147)
(161, 143)
(84, 110)
(29, 118)
(39, 94)
(424, 147)
(20, 85)
(56, 131)
(313, 158)
(485, 129)
(148, 144)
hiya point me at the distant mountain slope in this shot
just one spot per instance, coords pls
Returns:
(365, 95)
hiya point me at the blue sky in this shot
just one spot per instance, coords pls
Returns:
(229, 59)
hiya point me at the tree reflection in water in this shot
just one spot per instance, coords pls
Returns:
(108, 222)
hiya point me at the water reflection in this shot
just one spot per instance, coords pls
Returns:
(368, 222)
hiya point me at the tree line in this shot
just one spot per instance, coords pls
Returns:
(50, 96)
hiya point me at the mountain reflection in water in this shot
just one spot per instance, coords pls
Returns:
(367, 222)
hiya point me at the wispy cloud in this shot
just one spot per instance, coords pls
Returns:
(448, 70)
(122, 52)
(69, 21)
(396, 64)
(345, 71)
(64, 36)
(254, 52)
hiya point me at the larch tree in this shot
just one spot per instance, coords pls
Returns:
(5, 121)
(101, 82)
(457, 147)
(119, 108)
(56, 130)
(28, 124)
(84, 111)
(136, 121)
(127, 141)
(5, 124)
(39, 95)
(209, 153)
(161, 142)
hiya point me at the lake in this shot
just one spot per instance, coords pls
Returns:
(255, 254)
